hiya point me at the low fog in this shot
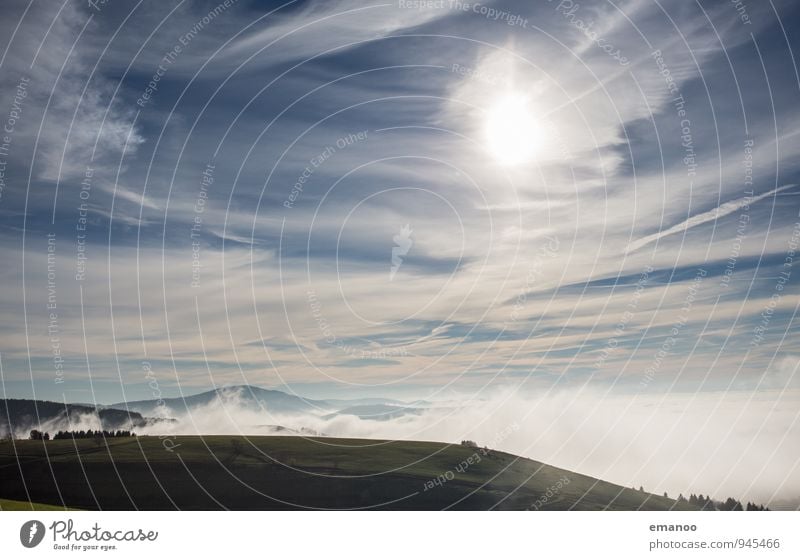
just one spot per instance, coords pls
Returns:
(736, 444)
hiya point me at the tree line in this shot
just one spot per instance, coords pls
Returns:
(80, 434)
(706, 503)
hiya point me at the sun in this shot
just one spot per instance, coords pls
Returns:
(512, 133)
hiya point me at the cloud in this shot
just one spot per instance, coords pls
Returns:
(72, 115)
(127, 194)
(318, 27)
(712, 215)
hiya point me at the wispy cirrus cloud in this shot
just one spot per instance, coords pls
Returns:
(473, 300)
(720, 211)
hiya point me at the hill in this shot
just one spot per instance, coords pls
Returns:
(285, 472)
(14, 505)
(248, 396)
(22, 415)
(251, 397)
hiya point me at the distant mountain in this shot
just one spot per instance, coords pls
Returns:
(22, 415)
(274, 401)
(26, 414)
(247, 396)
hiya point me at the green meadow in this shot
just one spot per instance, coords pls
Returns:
(290, 472)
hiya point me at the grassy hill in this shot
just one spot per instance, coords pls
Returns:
(276, 472)
(16, 505)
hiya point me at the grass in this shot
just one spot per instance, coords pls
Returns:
(15, 505)
(290, 472)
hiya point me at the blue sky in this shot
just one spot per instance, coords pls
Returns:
(598, 256)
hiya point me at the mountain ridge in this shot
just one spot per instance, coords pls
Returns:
(20, 415)
(254, 397)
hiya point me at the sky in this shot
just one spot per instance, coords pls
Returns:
(411, 200)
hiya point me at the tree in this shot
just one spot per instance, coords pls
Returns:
(641, 488)
(729, 505)
(36, 434)
(46, 436)
(732, 505)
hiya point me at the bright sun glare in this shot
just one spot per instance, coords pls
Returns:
(512, 133)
